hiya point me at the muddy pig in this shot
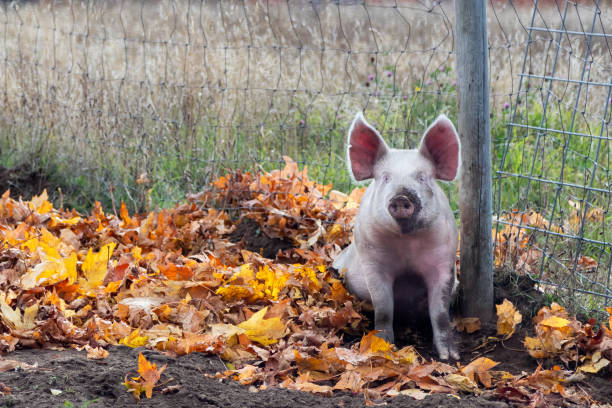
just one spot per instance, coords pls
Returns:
(405, 235)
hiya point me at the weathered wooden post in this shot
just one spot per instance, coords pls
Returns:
(475, 198)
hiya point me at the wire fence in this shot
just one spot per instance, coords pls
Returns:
(149, 100)
(555, 157)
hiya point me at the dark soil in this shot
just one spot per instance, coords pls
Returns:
(22, 181)
(255, 239)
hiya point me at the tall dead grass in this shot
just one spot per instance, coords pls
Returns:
(180, 88)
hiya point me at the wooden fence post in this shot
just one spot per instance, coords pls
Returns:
(475, 197)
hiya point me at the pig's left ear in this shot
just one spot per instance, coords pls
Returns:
(441, 145)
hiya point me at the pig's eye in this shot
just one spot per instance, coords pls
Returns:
(421, 177)
(386, 177)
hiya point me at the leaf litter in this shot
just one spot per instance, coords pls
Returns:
(173, 281)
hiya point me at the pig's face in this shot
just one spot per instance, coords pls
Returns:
(405, 197)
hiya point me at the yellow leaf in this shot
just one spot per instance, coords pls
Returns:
(273, 281)
(95, 266)
(234, 292)
(507, 318)
(595, 364)
(134, 339)
(112, 287)
(532, 343)
(372, 344)
(137, 253)
(40, 203)
(13, 317)
(461, 382)
(555, 322)
(263, 331)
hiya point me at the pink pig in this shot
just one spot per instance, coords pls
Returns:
(405, 235)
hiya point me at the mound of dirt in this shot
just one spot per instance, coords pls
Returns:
(22, 181)
(256, 240)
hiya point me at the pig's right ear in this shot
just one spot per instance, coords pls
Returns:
(365, 148)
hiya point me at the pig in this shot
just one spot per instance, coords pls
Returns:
(405, 235)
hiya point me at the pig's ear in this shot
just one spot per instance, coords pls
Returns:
(441, 145)
(365, 148)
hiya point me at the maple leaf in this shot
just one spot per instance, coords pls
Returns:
(263, 331)
(374, 345)
(95, 353)
(349, 381)
(149, 373)
(149, 376)
(134, 339)
(507, 318)
(247, 375)
(53, 265)
(595, 364)
(95, 267)
(478, 370)
(40, 203)
(461, 382)
(303, 383)
(469, 324)
(14, 319)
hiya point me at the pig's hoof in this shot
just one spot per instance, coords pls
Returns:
(451, 352)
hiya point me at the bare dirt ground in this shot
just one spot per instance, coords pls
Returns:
(188, 381)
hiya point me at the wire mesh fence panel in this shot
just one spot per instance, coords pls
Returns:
(145, 101)
(181, 90)
(553, 179)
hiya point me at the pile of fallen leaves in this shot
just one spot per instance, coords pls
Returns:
(173, 281)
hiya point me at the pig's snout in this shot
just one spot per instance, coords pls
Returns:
(401, 207)
(404, 207)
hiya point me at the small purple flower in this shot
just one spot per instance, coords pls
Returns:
(442, 68)
(609, 100)
(506, 106)
(374, 124)
(405, 97)
(454, 83)
(389, 73)
(371, 77)
(302, 122)
(428, 82)
(339, 116)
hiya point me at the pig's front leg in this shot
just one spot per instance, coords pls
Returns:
(439, 290)
(380, 287)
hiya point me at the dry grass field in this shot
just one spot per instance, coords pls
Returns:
(109, 90)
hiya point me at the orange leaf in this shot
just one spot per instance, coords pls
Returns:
(149, 374)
